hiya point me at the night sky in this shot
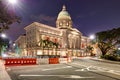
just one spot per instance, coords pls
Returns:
(89, 16)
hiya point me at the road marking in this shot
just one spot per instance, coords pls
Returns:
(76, 77)
(56, 68)
(84, 69)
(107, 70)
(113, 72)
(99, 69)
(63, 76)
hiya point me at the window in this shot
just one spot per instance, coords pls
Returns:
(67, 24)
(61, 24)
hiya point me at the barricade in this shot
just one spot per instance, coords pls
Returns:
(43, 61)
(30, 61)
(62, 60)
(25, 61)
(53, 60)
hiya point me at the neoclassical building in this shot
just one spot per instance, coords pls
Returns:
(21, 43)
(60, 41)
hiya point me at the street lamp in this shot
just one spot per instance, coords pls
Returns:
(92, 37)
(3, 35)
(12, 1)
(14, 44)
(119, 48)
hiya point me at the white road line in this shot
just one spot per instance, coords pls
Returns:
(107, 70)
(56, 68)
(84, 69)
(113, 72)
(99, 69)
(63, 76)
(76, 77)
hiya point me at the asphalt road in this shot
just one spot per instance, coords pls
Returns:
(79, 69)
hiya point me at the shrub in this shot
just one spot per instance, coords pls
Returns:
(111, 57)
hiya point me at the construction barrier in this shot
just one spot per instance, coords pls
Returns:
(62, 60)
(33, 61)
(43, 61)
(53, 60)
(27, 61)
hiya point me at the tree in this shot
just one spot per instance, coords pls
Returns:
(3, 44)
(45, 44)
(6, 18)
(89, 49)
(48, 44)
(108, 40)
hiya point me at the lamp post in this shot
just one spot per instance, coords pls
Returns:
(92, 36)
(119, 48)
(3, 35)
(12, 1)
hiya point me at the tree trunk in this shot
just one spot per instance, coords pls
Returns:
(103, 52)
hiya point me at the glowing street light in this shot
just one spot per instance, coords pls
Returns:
(3, 35)
(12, 1)
(14, 44)
(119, 48)
(92, 37)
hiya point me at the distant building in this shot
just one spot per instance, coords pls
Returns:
(64, 40)
(20, 45)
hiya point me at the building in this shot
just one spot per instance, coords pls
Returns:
(85, 41)
(64, 40)
(20, 45)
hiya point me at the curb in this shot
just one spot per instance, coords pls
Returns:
(106, 61)
(3, 73)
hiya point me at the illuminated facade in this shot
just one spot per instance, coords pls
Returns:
(64, 40)
(20, 45)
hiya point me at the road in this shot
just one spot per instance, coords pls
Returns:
(79, 69)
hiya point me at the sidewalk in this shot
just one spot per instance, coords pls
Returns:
(106, 61)
(3, 74)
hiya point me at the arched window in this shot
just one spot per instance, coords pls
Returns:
(60, 23)
(67, 24)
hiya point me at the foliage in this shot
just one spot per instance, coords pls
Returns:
(89, 49)
(107, 40)
(93, 41)
(118, 52)
(6, 18)
(3, 42)
(49, 44)
(111, 57)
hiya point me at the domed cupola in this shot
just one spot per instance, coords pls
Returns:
(64, 20)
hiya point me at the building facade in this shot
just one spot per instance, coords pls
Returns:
(62, 41)
(20, 45)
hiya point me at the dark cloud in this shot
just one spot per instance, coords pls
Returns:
(50, 20)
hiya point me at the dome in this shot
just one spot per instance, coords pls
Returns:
(64, 20)
(64, 14)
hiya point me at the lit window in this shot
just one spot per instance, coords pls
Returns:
(60, 24)
(67, 24)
